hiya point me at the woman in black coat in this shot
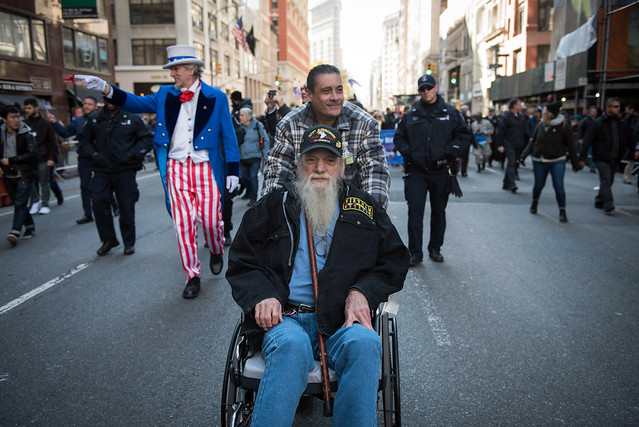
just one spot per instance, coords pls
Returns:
(551, 141)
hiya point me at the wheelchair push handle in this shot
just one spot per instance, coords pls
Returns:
(326, 384)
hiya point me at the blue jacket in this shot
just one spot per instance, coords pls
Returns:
(250, 148)
(213, 130)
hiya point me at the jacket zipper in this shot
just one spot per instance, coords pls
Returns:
(290, 230)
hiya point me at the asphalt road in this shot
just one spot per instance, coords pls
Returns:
(527, 322)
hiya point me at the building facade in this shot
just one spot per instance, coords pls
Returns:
(290, 17)
(144, 29)
(324, 33)
(40, 52)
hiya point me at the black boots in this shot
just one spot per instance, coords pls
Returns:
(533, 207)
(562, 215)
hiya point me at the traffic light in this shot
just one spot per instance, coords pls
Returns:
(453, 78)
(431, 68)
(278, 79)
(218, 68)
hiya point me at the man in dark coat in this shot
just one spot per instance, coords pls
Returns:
(512, 137)
(361, 261)
(116, 142)
(610, 139)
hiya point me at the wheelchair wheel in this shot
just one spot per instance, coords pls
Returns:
(390, 372)
(237, 402)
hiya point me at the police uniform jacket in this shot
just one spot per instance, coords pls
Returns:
(26, 158)
(600, 136)
(366, 254)
(424, 137)
(213, 131)
(121, 141)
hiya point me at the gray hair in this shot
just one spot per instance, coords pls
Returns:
(248, 111)
(197, 69)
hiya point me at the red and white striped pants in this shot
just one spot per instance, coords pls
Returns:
(194, 196)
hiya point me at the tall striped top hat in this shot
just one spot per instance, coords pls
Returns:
(181, 54)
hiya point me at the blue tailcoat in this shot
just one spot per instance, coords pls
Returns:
(213, 130)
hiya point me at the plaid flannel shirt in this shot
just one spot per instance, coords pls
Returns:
(360, 134)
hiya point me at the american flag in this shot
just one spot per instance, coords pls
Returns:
(238, 33)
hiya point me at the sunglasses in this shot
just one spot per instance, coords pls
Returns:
(614, 106)
(425, 88)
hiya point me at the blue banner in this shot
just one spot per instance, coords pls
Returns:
(387, 136)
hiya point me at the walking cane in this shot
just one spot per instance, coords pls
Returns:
(326, 384)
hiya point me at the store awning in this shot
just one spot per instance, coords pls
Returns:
(13, 99)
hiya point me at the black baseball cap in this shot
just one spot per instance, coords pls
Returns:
(426, 80)
(322, 137)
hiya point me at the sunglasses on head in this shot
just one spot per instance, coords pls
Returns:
(425, 88)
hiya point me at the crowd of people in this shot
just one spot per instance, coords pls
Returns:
(323, 164)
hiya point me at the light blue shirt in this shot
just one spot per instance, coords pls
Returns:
(301, 285)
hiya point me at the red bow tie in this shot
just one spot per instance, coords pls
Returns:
(186, 96)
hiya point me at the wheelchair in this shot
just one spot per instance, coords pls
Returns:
(242, 375)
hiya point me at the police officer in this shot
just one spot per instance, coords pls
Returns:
(430, 136)
(117, 142)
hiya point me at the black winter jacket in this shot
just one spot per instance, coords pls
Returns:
(366, 254)
(600, 137)
(512, 132)
(424, 137)
(552, 142)
(115, 143)
(26, 158)
(46, 141)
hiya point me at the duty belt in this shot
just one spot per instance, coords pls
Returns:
(292, 308)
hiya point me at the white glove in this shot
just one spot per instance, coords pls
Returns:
(92, 82)
(232, 182)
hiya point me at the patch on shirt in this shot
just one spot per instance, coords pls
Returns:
(355, 204)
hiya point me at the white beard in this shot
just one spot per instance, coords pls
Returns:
(318, 200)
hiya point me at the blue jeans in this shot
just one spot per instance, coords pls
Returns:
(248, 177)
(557, 171)
(18, 190)
(355, 353)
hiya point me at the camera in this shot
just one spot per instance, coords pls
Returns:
(272, 93)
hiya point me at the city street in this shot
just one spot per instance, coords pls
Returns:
(527, 322)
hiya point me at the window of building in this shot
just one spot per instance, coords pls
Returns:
(39, 40)
(237, 68)
(212, 27)
(519, 63)
(22, 37)
(227, 65)
(214, 60)
(68, 52)
(197, 17)
(149, 12)
(545, 15)
(494, 18)
(543, 54)
(224, 31)
(103, 54)
(199, 50)
(86, 50)
(16, 40)
(521, 18)
(274, 4)
(150, 51)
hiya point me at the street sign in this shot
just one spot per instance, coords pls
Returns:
(72, 9)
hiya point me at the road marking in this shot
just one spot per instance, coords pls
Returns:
(436, 324)
(16, 302)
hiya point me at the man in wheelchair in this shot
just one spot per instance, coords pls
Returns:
(361, 261)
